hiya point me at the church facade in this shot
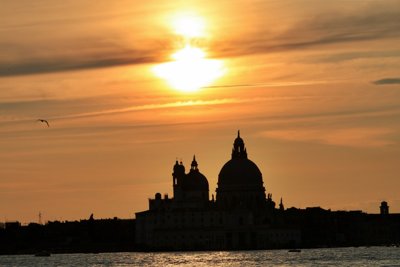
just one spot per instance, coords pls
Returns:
(242, 216)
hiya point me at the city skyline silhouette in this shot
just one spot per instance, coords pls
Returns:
(128, 87)
(242, 216)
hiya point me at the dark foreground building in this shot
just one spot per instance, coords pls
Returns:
(243, 216)
(84, 236)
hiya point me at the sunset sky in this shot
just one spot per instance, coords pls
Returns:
(128, 87)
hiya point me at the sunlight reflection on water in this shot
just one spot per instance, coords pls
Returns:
(372, 256)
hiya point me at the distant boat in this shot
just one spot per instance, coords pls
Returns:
(294, 250)
(43, 254)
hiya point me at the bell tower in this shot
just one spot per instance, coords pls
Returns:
(384, 208)
(177, 176)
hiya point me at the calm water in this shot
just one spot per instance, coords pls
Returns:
(372, 256)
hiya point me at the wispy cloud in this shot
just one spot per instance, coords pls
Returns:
(97, 51)
(272, 84)
(50, 37)
(353, 55)
(189, 103)
(387, 81)
(321, 30)
(349, 137)
(60, 108)
(61, 62)
(111, 111)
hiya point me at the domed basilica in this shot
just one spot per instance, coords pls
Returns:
(241, 215)
(240, 181)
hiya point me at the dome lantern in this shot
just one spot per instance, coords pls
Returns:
(194, 163)
(239, 150)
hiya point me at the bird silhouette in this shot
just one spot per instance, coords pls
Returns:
(45, 121)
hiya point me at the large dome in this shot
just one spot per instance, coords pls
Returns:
(240, 182)
(240, 171)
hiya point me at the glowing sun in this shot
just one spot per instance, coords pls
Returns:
(189, 69)
(189, 26)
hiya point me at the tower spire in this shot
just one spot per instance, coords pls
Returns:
(281, 207)
(194, 163)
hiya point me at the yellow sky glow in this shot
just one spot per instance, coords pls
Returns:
(190, 69)
(314, 87)
(189, 25)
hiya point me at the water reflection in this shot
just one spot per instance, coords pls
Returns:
(371, 256)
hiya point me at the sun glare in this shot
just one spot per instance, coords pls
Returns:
(189, 26)
(189, 53)
(190, 69)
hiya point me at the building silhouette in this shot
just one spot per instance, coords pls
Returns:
(242, 216)
(384, 208)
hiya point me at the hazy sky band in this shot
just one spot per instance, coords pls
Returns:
(312, 85)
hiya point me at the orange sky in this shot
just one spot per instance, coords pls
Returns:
(314, 87)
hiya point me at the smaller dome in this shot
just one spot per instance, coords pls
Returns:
(195, 181)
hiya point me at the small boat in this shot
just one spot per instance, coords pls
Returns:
(294, 250)
(43, 254)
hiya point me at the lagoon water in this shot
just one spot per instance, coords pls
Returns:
(361, 256)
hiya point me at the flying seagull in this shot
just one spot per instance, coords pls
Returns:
(45, 121)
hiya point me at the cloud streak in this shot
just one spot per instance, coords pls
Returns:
(316, 30)
(53, 104)
(64, 63)
(387, 81)
(272, 84)
(357, 137)
(178, 104)
(321, 30)
(354, 55)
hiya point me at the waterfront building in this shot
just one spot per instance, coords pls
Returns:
(242, 216)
